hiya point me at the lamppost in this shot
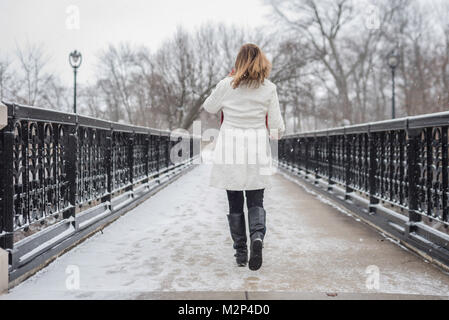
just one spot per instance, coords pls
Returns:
(393, 61)
(75, 59)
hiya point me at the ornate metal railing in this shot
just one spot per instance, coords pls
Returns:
(393, 173)
(62, 173)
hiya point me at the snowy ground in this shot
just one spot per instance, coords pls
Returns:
(178, 240)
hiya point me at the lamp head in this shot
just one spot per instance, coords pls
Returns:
(393, 59)
(75, 59)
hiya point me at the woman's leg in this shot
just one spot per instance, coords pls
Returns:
(257, 226)
(236, 201)
(237, 226)
(254, 198)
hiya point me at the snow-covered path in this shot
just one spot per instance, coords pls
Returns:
(178, 240)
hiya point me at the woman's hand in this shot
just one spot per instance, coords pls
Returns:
(231, 73)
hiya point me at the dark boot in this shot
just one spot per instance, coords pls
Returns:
(256, 221)
(238, 233)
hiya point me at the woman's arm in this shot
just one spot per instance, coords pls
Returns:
(213, 103)
(276, 124)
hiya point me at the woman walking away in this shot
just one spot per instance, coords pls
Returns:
(242, 163)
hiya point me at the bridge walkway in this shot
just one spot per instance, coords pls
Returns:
(177, 244)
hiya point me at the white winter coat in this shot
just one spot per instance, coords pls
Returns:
(242, 156)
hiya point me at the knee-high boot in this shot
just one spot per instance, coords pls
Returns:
(237, 227)
(257, 229)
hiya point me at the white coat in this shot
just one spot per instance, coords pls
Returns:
(242, 156)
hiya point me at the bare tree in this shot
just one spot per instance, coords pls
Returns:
(329, 67)
(33, 80)
(321, 25)
(5, 77)
(343, 47)
(91, 103)
(116, 70)
(56, 96)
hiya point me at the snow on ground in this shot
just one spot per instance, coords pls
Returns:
(178, 240)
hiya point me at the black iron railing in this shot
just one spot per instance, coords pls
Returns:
(62, 173)
(394, 173)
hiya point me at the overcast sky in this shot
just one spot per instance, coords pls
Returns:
(54, 24)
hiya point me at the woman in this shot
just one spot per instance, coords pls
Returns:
(242, 158)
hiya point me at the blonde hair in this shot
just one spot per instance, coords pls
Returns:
(251, 67)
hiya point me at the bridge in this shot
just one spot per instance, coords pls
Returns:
(92, 209)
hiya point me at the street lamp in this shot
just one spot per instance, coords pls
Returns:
(75, 59)
(393, 61)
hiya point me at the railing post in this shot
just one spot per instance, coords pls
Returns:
(146, 155)
(401, 165)
(429, 165)
(157, 145)
(306, 140)
(109, 165)
(131, 141)
(373, 200)
(290, 153)
(330, 160)
(167, 151)
(413, 177)
(366, 159)
(445, 167)
(296, 154)
(72, 164)
(7, 179)
(390, 142)
(348, 163)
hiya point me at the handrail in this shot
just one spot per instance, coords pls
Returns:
(398, 166)
(419, 121)
(61, 172)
